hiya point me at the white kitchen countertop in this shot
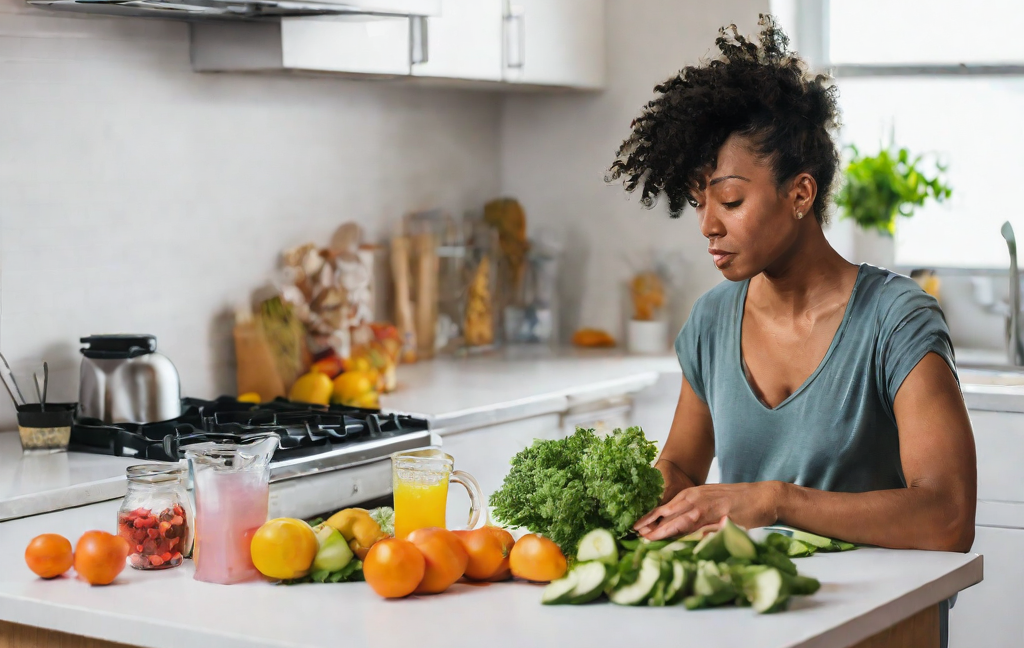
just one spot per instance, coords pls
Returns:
(468, 393)
(454, 394)
(863, 592)
(35, 483)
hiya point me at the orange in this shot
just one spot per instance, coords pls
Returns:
(488, 554)
(536, 559)
(100, 557)
(446, 558)
(394, 568)
(49, 555)
(507, 542)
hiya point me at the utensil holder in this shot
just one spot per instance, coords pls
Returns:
(45, 431)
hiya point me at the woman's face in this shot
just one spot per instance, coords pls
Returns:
(749, 222)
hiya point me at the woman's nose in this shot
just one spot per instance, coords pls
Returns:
(711, 225)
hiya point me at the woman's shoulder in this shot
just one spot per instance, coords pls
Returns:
(891, 297)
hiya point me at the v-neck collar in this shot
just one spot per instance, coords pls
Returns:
(741, 363)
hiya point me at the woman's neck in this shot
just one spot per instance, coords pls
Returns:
(810, 274)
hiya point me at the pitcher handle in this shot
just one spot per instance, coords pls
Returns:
(477, 510)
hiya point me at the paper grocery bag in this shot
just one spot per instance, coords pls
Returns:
(257, 370)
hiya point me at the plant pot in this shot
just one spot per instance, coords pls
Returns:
(647, 337)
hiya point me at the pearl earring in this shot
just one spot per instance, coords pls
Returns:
(799, 215)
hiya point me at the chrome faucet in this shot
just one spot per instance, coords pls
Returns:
(1014, 351)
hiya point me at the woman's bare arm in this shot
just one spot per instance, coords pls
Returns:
(690, 447)
(934, 511)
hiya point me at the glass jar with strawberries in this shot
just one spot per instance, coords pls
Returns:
(156, 516)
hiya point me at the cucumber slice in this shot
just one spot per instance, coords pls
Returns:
(776, 559)
(767, 591)
(677, 587)
(559, 592)
(818, 541)
(712, 547)
(737, 542)
(802, 585)
(639, 591)
(797, 549)
(598, 545)
(713, 584)
(695, 602)
(839, 545)
(678, 548)
(658, 595)
(591, 577)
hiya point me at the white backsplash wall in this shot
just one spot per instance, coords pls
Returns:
(138, 196)
(556, 150)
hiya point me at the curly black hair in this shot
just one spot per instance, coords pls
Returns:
(758, 90)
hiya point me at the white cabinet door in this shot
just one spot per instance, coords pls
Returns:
(464, 42)
(989, 614)
(999, 437)
(354, 44)
(486, 453)
(555, 42)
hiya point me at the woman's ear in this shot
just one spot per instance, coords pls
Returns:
(802, 194)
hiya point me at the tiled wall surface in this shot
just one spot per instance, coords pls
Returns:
(556, 150)
(136, 195)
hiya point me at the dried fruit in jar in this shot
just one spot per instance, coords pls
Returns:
(156, 541)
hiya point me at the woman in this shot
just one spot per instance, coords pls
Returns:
(827, 390)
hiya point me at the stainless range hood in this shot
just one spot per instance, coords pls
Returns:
(245, 9)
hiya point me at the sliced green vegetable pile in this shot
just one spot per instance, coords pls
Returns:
(564, 488)
(724, 567)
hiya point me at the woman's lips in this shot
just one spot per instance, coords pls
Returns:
(721, 257)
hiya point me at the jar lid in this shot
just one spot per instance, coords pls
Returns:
(154, 473)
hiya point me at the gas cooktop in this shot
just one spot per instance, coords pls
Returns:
(312, 438)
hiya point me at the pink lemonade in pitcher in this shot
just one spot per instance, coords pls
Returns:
(232, 490)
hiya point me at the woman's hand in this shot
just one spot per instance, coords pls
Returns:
(748, 505)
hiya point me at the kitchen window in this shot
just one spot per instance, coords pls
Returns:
(944, 78)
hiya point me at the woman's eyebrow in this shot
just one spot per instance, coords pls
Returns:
(715, 181)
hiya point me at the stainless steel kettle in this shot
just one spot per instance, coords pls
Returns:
(124, 380)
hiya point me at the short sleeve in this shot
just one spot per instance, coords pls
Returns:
(689, 351)
(913, 327)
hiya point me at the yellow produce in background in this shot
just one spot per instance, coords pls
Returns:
(355, 388)
(313, 387)
(284, 548)
(250, 397)
(358, 528)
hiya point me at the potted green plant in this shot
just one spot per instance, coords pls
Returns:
(876, 189)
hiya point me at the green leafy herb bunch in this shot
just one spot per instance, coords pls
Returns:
(567, 487)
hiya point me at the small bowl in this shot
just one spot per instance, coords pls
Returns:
(45, 431)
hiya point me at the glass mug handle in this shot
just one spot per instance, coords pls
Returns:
(477, 517)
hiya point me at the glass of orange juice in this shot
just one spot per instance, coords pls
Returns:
(420, 482)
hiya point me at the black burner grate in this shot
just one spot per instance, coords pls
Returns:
(303, 429)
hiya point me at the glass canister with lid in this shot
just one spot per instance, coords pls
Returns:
(156, 516)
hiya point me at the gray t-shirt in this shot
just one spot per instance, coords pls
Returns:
(837, 431)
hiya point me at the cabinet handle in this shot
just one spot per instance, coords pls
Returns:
(419, 40)
(515, 37)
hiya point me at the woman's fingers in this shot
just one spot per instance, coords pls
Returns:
(664, 512)
(678, 525)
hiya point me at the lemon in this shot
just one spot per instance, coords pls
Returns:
(284, 548)
(352, 385)
(313, 387)
(250, 397)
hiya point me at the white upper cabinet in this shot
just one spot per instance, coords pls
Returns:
(555, 43)
(464, 42)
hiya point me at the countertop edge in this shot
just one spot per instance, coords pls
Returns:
(871, 623)
(69, 497)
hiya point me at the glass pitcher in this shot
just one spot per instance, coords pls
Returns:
(420, 483)
(232, 491)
